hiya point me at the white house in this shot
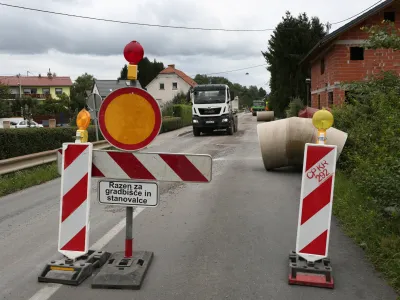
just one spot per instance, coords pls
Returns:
(168, 83)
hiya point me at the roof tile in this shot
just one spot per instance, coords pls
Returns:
(36, 81)
(171, 70)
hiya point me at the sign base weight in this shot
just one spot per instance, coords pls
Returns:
(124, 273)
(302, 272)
(69, 272)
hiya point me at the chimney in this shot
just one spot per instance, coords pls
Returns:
(49, 75)
(172, 66)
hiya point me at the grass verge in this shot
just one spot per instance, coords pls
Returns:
(376, 233)
(13, 182)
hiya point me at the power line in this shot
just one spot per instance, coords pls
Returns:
(165, 26)
(132, 23)
(230, 71)
(356, 15)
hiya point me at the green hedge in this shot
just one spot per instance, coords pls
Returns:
(23, 141)
(170, 124)
(184, 112)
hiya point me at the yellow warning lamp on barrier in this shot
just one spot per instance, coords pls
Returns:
(83, 122)
(133, 53)
(322, 120)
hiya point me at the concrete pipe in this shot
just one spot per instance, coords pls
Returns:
(265, 116)
(282, 142)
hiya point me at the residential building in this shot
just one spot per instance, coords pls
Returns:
(39, 87)
(168, 83)
(340, 56)
(105, 87)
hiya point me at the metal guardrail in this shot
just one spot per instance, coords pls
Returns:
(35, 159)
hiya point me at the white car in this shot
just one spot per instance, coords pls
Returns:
(27, 124)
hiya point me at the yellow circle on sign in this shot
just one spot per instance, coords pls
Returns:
(129, 119)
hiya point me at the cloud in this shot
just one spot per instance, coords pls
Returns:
(37, 41)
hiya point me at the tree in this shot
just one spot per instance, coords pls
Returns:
(291, 40)
(179, 98)
(262, 93)
(78, 91)
(385, 36)
(246, 94)
(5, 109)
(147, 71)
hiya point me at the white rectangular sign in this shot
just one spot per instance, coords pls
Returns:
(128, 193)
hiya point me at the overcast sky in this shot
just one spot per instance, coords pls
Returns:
(35, 41)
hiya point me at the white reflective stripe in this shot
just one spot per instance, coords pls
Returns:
(202, 163)
(157, 167)
(73, 224)
(311, 184)
(108, 166)
(75, 171)
(313, 228)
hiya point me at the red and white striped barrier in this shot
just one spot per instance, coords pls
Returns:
(316, 201)
(151, 166)
(76, 176)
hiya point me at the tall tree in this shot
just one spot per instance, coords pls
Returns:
(147, 71)
(291, 40)
(78, 91)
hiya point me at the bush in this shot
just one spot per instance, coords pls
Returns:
(184, 112)
(167, 109)
(171, 124)
(295, 106)
(23, 141)
(371, 155)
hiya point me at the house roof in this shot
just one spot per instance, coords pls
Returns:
(171, 70)
(330, 37)
(105, 87)
(33, 81)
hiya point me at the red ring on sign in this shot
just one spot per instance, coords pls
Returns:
(146, 96)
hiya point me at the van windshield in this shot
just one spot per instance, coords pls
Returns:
(205, 97)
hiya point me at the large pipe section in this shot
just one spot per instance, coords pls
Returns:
(265, 116)
(282, 142)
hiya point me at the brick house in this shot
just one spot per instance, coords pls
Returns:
(339, 57)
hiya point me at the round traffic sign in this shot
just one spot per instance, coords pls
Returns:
(130, 118)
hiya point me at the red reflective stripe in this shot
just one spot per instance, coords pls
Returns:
(183, 167)
(316, 200)
(315, 154)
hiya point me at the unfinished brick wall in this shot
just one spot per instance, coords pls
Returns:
(339, 67)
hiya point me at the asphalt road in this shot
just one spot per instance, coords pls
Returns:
(228, 239)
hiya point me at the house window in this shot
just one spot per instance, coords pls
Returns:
(27, 91)
(319, 101)
(330, 99)
(322, 66)
(389, 16)
(174, 85)
(161, 86)
(356, 53)
(59, 91)
(46, 91)
(34, 91)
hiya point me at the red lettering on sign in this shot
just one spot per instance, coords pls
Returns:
(319, 171)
